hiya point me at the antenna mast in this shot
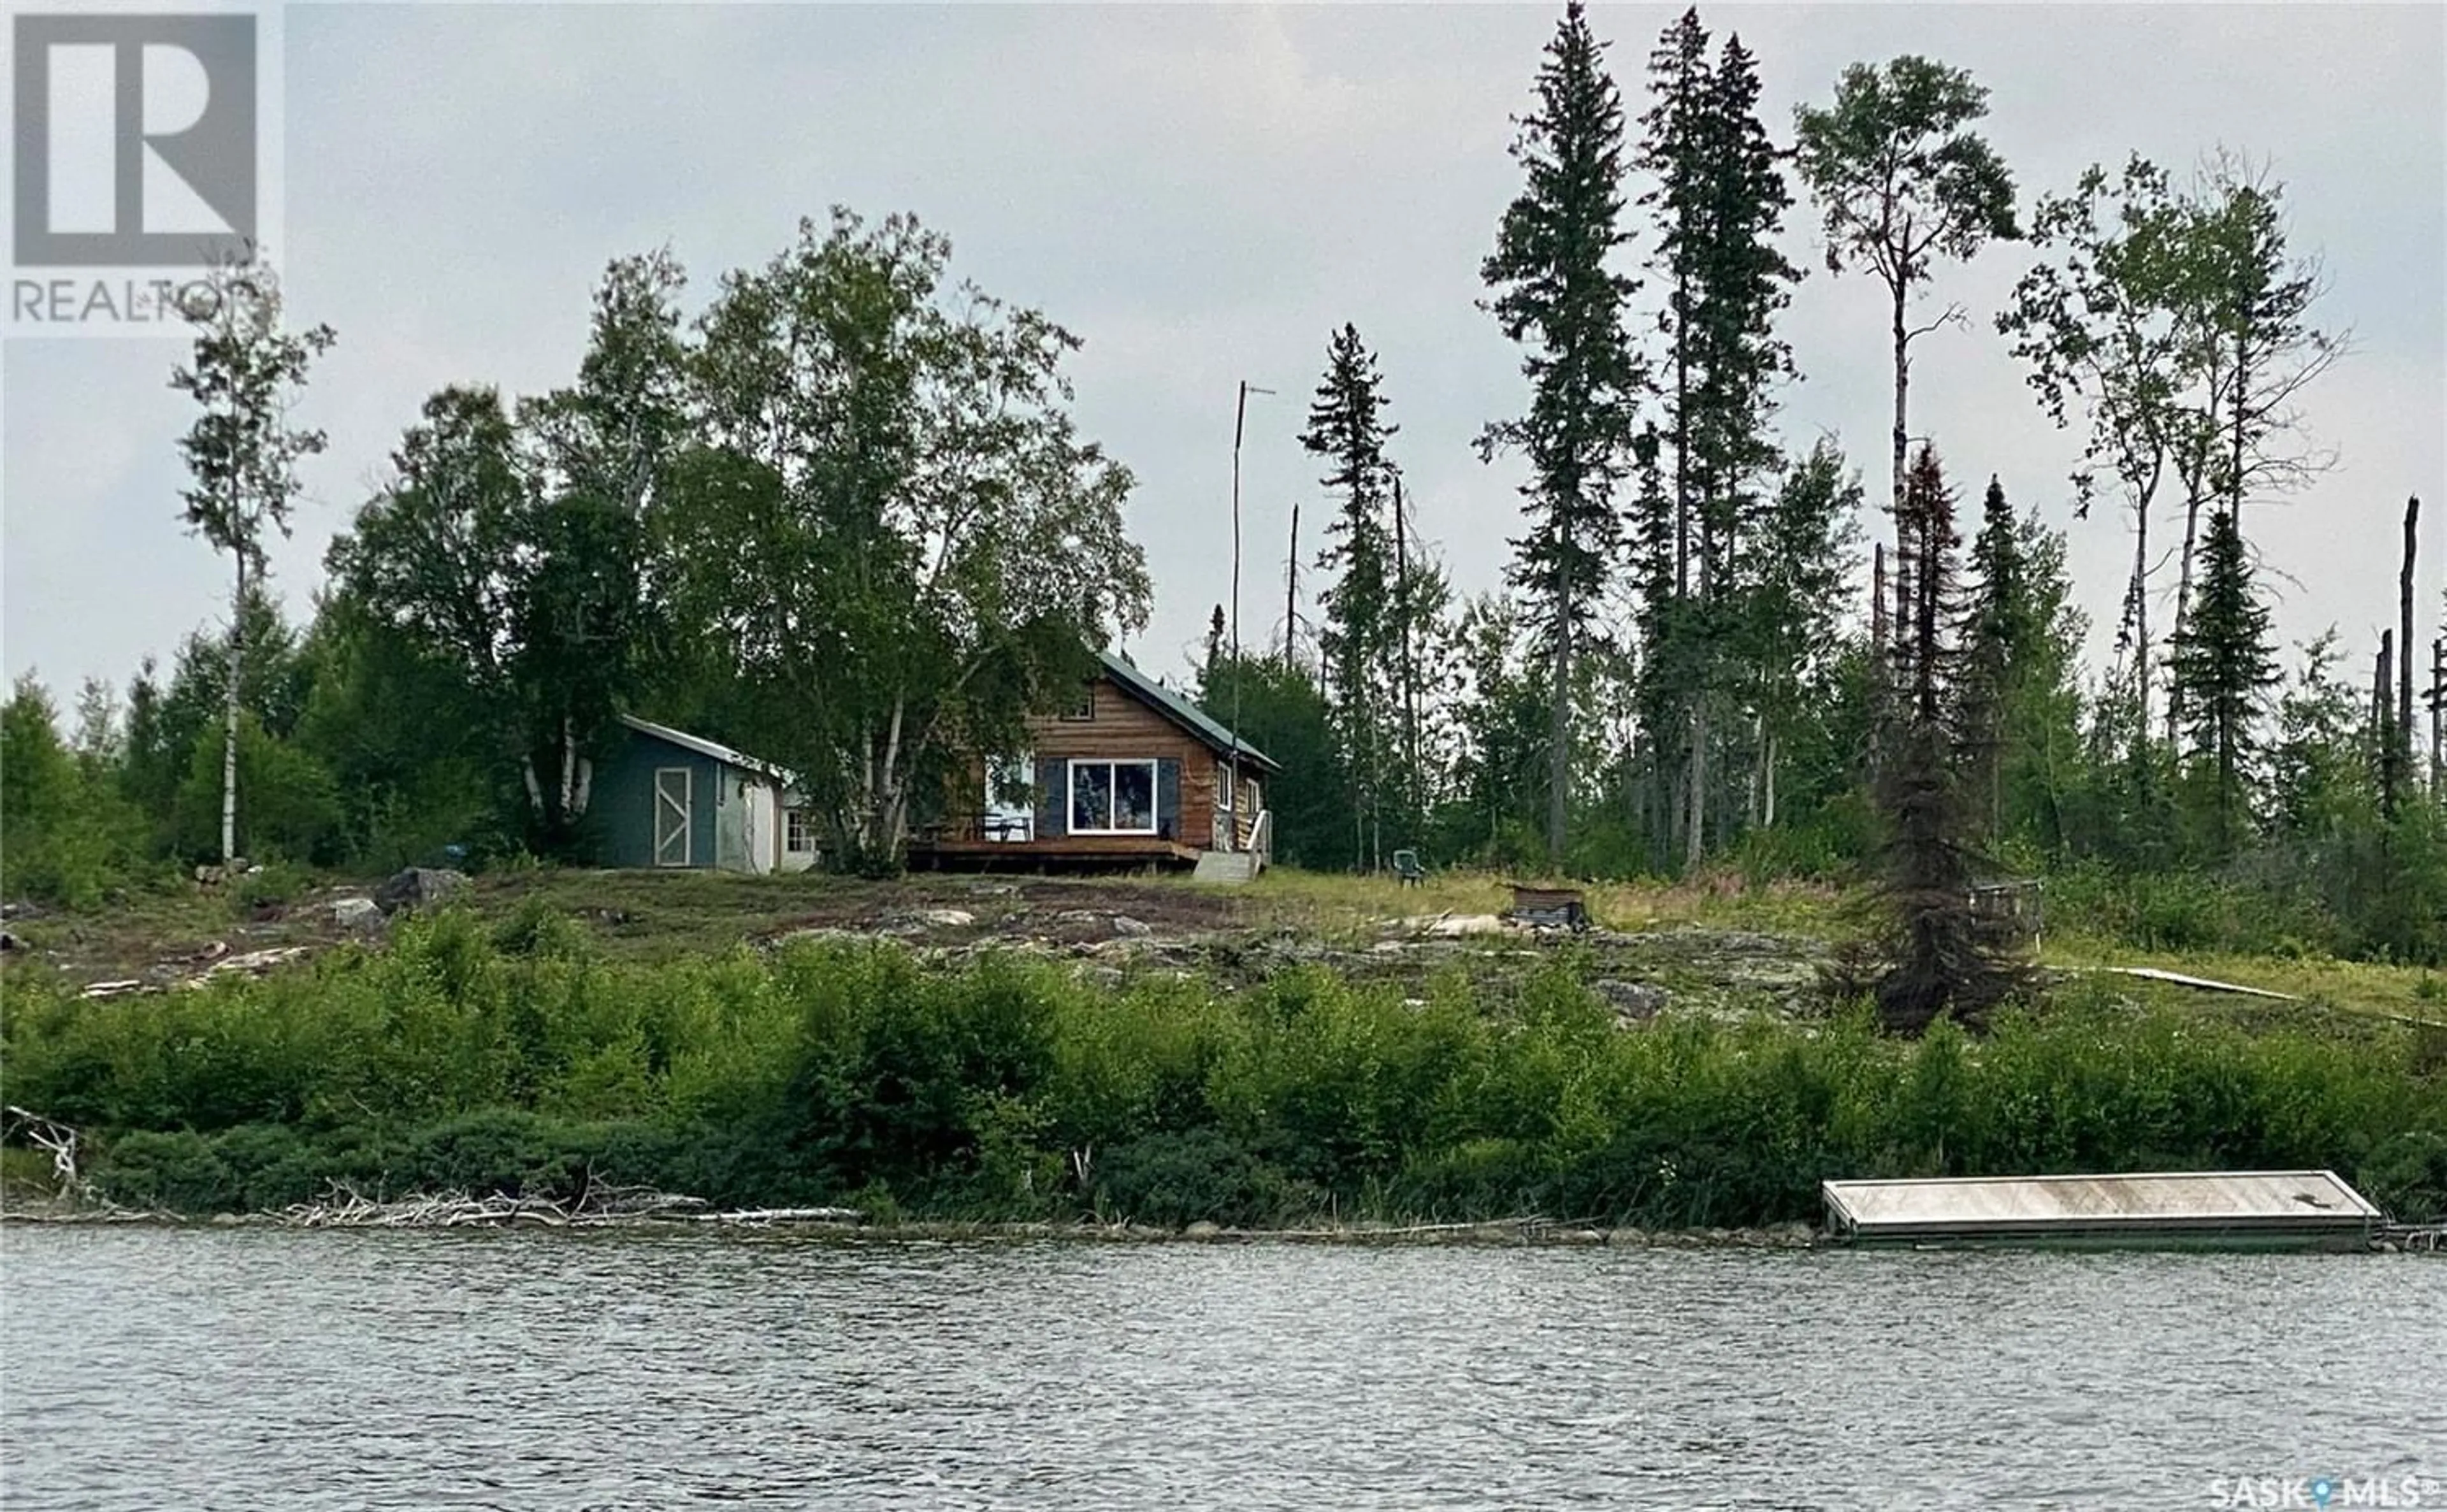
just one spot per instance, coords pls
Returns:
(1239, 669)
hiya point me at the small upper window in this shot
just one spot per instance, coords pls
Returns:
(1082, 705)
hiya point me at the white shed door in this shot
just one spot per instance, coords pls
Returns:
(672, 816)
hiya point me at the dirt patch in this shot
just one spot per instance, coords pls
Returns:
(1057, 911)
(1110, 928)
(180, 937)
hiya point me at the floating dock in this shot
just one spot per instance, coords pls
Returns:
(2242, 1209)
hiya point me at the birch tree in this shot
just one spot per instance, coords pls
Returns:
(603, 450)
(888, 524)
(242, 452)
(1902, 180)
(511, 550)
(2108, 323)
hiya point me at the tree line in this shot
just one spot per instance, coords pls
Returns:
(1689, 665)
(842, 516)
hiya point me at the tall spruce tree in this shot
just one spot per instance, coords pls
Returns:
(1362, 634)
(1744, 281)
(1721, 199)
(1793, 600)
(1675, 153)
(1996, 636)
(1556, 293)
(1947, 960)
(2224, 666)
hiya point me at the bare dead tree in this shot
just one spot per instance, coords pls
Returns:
(2404, 631)
(2388, 751)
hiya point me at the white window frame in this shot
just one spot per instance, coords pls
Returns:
(1005, 820)
(1114, 765)
(798, 832)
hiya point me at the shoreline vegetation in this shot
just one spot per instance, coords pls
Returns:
(1162, 1083)
(457, 1212)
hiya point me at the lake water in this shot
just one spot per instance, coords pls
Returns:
(253, 1369)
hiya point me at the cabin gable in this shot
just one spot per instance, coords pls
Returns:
(1114, 775)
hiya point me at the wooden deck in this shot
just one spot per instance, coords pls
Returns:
(2242, 1209)
(1081, 852)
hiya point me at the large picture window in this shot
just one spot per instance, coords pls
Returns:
(1112, 797)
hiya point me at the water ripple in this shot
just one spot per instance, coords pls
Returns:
(333, 1370)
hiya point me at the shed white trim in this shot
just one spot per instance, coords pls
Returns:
(709, 747)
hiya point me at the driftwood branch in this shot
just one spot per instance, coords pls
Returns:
(598, 1203)
(55, 1139)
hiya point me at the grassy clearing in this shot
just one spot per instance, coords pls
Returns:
(654, 918)
(1330, 903)
(648, 916)
(2322, 984)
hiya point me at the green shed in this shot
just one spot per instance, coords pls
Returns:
(664, 798)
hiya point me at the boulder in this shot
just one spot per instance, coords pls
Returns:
(356, 912)
(1454, 926)
(417, 886)
(1123, 924)
(1630, 999)
(820, 935)
(1200, 1230)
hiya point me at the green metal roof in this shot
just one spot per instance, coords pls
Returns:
(1182, 711)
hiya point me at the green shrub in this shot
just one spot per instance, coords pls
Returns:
(288, 805)
(1186, 1177)
(70, 837)
(464, 1057)
(182, 1171)
(270, 884)
(2407, 1177)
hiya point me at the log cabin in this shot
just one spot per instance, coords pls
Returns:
(1130, 773)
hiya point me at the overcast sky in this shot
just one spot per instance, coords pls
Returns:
(1202, 195)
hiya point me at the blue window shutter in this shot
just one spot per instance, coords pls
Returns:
(1053, 797)
(1168, 798)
